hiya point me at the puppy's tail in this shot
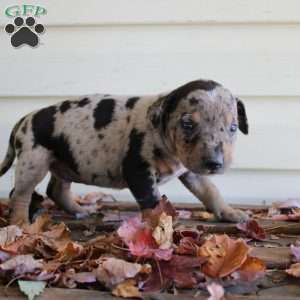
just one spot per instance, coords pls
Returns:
(11, 152)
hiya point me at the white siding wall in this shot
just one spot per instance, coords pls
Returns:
(141, 46)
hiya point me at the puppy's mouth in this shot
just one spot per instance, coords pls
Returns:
(213, 172)
(206, 171)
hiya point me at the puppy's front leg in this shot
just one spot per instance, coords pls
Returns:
(207, 192)
(142, 185)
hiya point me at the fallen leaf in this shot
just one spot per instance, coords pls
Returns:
(84, 277)
(71, 250)
(9, 234)
(296, 252)
(224, 255)
(66, 279)
(294, 270)
(112, 271)
(287, 217)
(252, 230)
(21, 264)
(216, 291)
(127, 289)
(180, 270)
(290, 203)
(250, 270)
(187, 246)
(203, 216)
(39, 225)
(165, 206)
(129, 228)
(187, 241)
(163, 232)
(140, 241)
(151, 216)
(4, 256)
(31, 288)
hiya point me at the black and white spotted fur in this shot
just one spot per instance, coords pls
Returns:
(128, 142)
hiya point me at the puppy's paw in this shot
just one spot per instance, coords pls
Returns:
(229, 214)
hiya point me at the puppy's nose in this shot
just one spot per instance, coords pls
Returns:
(213, 165)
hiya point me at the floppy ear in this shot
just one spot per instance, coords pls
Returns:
(242, 117)
(155, 113)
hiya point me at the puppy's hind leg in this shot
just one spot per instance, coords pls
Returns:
(59, 190)
(31, 169)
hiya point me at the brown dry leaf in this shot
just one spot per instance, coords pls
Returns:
(151, 216)
(127, 289)
(224, 254)
(251, 269)
(57, 237)
(165, 206)
(163, 232)
(15, 247)
(21, 264)
(180, 271)
(203, 216)
(112, 271)
(294, 270)
(39, 225)
(252, 230)
(9, 234)
(253, 264)
(71, 250)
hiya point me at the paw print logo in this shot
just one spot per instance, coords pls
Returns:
(27, 33)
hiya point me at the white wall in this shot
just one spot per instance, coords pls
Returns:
(140, 46)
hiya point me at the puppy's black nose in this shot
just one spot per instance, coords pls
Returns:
(213, 165)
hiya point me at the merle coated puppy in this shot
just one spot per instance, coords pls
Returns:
(128, 142)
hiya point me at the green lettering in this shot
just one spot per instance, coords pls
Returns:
(12, 11)
(27, 9)
(40, 11)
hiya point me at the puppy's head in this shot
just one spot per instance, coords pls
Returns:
(199, 120)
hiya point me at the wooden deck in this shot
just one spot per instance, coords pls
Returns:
(274, 251)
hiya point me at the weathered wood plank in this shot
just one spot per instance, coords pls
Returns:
(275, 258)
(71, 294)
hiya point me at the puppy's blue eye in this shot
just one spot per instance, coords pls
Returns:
(233, 127)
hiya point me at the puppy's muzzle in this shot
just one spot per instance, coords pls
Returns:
(214, 163)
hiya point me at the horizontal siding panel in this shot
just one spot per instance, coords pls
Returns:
(145, 47)
(243, 187)
(250, 60)
(70, 12)
(273, 142)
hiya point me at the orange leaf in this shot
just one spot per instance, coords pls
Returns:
(224, 254)
(38, 226)
(127, 289)
(294, 270)
(253, 264)
(251, 269)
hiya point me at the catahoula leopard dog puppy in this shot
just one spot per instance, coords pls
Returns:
(128, 142)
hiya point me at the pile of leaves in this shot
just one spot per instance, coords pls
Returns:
(146, 253)
(288, 210)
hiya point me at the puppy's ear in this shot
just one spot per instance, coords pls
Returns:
(155, 113)
(242, 117)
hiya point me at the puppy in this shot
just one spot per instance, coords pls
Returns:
(135, 142)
